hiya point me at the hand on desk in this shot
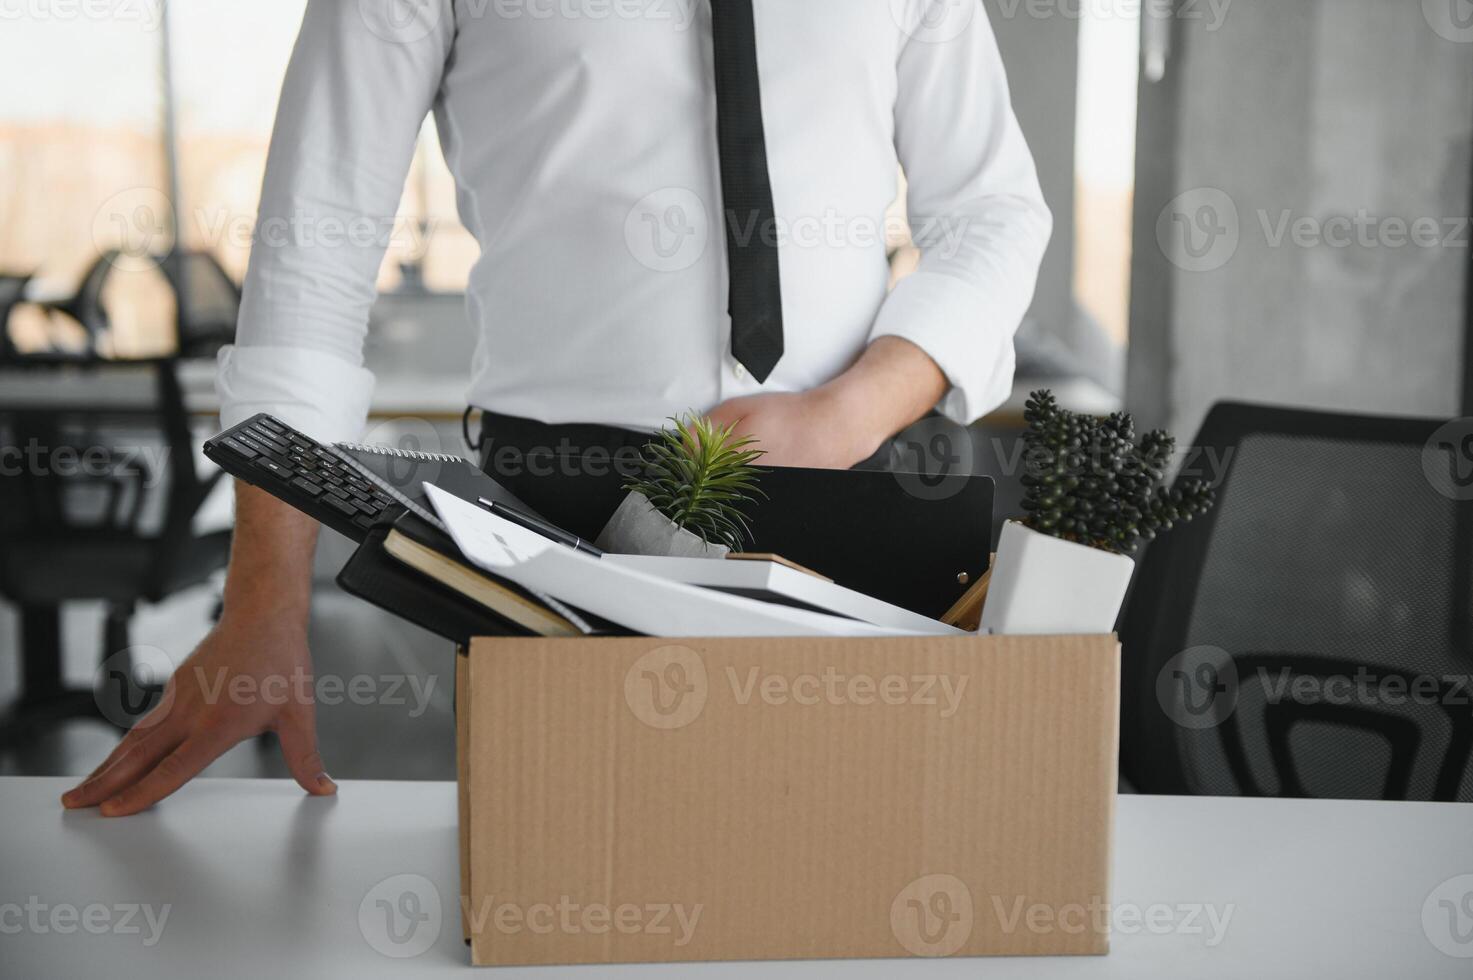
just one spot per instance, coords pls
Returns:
(846, 420)
(251, 674)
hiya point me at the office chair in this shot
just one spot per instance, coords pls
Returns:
(1309, 637)
(85, 306)
(93, 532)
(12, 294)
(208, 302)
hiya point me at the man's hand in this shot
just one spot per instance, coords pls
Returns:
(251, 674)
(244, 679)
(846, 420)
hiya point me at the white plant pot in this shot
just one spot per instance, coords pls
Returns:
(1045, 585)
(638, 528)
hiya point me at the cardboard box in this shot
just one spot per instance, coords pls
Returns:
(646, 800)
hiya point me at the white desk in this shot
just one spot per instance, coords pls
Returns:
(264, 882)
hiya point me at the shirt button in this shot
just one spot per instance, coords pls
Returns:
(740, 370)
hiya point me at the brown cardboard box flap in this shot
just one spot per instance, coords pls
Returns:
(637, 800)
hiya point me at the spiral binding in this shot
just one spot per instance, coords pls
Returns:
(359, 447)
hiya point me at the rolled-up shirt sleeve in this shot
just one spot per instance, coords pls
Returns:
(362, 78)
(977, 214)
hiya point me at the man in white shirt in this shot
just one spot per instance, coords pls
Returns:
(582, 135)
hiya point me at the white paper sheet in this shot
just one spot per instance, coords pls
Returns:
(642, 602)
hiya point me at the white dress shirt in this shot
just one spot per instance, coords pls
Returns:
(582, 138)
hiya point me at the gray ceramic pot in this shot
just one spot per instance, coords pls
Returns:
(637, 528)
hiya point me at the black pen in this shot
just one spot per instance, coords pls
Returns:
(538, 526)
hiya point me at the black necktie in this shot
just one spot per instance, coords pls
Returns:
(756, 299)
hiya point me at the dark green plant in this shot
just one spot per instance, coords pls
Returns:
(1086, 478)
(700, 475)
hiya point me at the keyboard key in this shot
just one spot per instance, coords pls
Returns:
(240, 448)
(309, 487)
(338, 491)
(271, 466)
(340, 505)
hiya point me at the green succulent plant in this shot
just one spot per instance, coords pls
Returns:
(1086, 478)
(700, 475)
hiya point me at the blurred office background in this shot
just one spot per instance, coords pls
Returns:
(1211, 169)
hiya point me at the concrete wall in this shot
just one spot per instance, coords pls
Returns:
(1307, 111)
(1041, 54)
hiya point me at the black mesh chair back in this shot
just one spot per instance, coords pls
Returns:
(12, 294)
(86, 306)
(208, 302)
(1310, 637)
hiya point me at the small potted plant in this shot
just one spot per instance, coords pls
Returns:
(1092, 493)
(697, 476)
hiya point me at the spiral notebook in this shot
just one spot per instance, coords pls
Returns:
(402, 474)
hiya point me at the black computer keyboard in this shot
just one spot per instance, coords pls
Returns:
(265, 452)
